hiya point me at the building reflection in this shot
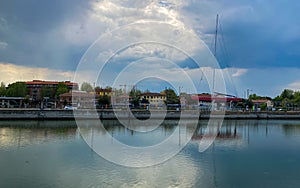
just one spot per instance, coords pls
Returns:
(23, 133)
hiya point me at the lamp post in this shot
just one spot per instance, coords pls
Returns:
(180, 87)
(248, 93)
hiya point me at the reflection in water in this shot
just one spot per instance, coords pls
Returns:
(21, 137)
(245, 154)
(142, 148)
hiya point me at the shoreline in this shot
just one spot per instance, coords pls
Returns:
(60, 114)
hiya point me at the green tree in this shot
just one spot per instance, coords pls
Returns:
(171, 96)
(287, 98)
(287, 93)
(257, 97)
(253, 97)
(17, 89)
(47, 92)
(297, 97)
(61, 89)
(2, 89)
(86, 87)
(296, 100)
(104, 101)
(263, 106)
(135, 97)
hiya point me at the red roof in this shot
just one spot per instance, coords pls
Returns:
(260, 101)
(208, 98)
(152, 94)
(41, 82)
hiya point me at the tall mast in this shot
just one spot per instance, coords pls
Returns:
(215, 50)
(216, 35)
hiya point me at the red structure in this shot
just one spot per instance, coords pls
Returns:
(209, 98)
(35, 87)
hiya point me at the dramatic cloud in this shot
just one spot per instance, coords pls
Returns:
(258, 43)
(10, 73)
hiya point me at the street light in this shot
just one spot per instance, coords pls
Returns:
(248, 93)
(180, 87)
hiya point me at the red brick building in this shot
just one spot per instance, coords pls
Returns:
(35, 87)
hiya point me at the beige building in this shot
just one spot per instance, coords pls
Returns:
(155, 99)
(80, 99)
(259, 102)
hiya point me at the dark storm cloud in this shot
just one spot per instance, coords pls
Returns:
(40, 15)
(26, 26)
(256, 33)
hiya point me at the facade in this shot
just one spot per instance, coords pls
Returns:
(120, 101)
(221, 102)
(80, 99)
(258, 103)
(35, 87)
(103, 91)
(155, 99)
(11, 102)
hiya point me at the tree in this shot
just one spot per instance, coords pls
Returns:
(61, 89)
(263, 106)
(17, 89)
(287, 93)
(297, 97)
(135, 97)
(144, 101)
(2, 89)
(257, 97)
(171, 96)
(296, 100)
(86, 87)
(104, 101)
(47, 92)
(288, 98)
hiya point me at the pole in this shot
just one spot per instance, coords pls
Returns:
(215, 50)
(216, 35)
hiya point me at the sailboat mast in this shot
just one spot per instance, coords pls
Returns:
(215, 50)
(216, 35)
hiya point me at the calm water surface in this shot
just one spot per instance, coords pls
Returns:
(245, 154)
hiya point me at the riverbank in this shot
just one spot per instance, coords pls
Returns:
(58, 114)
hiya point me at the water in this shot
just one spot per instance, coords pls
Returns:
(245, 154)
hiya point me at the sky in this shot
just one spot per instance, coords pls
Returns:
(258, 49)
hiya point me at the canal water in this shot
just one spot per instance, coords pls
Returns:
(245, 153)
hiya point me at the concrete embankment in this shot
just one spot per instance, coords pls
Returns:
(15, 114)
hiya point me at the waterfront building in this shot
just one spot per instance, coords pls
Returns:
(11, 102)
(103, 91)
(215, 102)
(36, 87)
(155, 99)
(80, 99)
(261, 102)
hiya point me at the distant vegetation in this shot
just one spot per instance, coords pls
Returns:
(288, 98)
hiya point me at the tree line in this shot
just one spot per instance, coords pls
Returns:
(19, 89)
(287, 98)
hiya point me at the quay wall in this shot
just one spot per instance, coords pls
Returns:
(14, 114)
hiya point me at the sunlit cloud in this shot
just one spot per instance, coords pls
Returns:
(238, 72)
(10, 73)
